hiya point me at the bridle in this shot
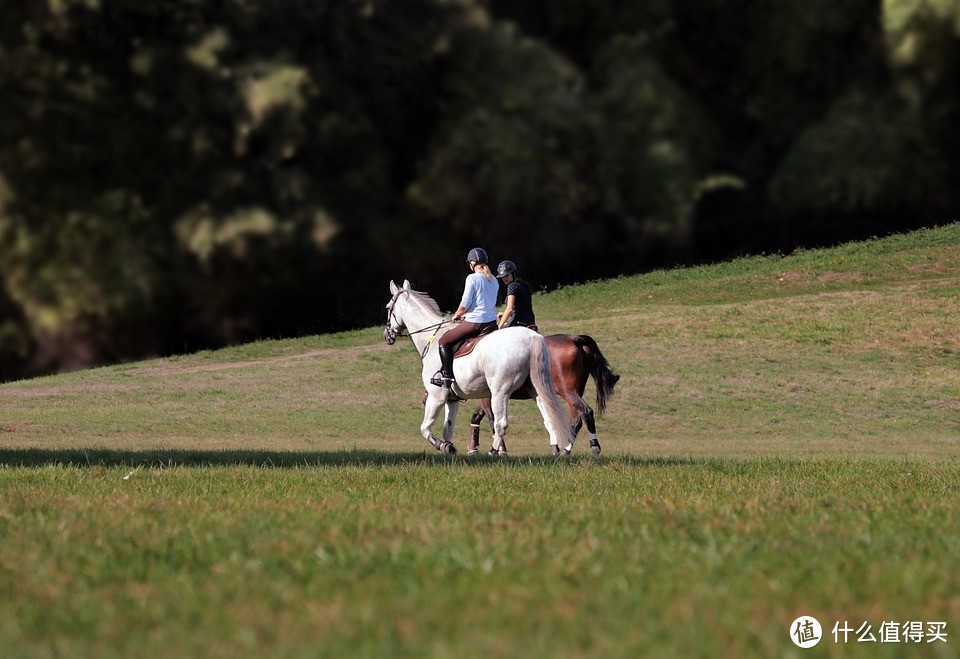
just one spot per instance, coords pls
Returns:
(391, 335)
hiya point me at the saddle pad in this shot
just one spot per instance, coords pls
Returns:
(467, 346)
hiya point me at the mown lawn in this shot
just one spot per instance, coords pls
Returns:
(376, 555)
(784, 442)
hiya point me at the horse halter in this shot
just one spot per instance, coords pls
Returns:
(391, 335)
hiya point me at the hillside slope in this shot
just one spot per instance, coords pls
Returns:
(846, 351)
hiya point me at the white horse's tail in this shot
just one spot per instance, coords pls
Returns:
(543, 383)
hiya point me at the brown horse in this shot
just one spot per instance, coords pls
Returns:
(573, 358)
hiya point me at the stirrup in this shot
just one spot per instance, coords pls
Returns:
(439, 381)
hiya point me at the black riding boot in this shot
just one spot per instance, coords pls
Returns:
(446, 368)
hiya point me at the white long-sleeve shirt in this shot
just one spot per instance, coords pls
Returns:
(480, 298)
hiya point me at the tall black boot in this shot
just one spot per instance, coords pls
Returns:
(446, 365)
(446, 368)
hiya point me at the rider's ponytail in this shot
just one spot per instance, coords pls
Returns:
(485, 269)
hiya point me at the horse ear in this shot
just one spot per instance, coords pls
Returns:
(406, 284)
(393, 288)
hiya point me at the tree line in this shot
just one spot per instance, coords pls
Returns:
(179, 174)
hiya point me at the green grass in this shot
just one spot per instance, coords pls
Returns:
(420, 556)
(783, 442)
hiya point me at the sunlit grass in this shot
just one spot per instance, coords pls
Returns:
(783, 441)
(509, 558)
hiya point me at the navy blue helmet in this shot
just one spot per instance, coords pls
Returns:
(477, 254)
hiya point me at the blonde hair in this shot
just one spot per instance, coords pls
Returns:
(486, 271)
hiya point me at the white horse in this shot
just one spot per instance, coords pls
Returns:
(500, 364)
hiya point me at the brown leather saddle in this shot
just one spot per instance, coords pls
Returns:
(466, 347)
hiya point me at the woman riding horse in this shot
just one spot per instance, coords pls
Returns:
(519, 310)
(478, 308)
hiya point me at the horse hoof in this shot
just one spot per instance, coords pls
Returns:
(473, 451)
(595, 448)
(449, 448)
(566, 452)
(554, 449)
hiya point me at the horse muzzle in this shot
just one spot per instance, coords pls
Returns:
(389, 336)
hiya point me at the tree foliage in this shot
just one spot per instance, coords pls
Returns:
(184, 173)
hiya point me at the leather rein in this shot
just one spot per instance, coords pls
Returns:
(391, 335)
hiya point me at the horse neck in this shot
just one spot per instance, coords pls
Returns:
(419, 321)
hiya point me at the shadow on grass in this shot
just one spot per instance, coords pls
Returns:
(32, 457)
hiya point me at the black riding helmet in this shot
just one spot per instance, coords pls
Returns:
(477, 254)
(506, 268)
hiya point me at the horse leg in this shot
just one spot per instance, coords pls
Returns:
(431, 410)
(592, 429)
(474, 447)
(578, 408)
(576, 428)
(485, 410)
(584, 412)
(503, 442)
(554, 442)
(498, 408)
(450, 415)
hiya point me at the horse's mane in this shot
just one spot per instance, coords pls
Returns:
(426, 302)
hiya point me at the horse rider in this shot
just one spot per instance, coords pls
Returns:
(519, 309)
(478, 309)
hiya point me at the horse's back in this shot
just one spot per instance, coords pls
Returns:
(506, 338)
(502, 358)
(572, 358)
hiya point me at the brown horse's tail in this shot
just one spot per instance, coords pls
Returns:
(603, 377)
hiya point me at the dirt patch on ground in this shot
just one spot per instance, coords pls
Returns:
(164, 369)
(821, 277)
(19, 427)
(40, 392)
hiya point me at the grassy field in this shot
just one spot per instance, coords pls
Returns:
(784, 442)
